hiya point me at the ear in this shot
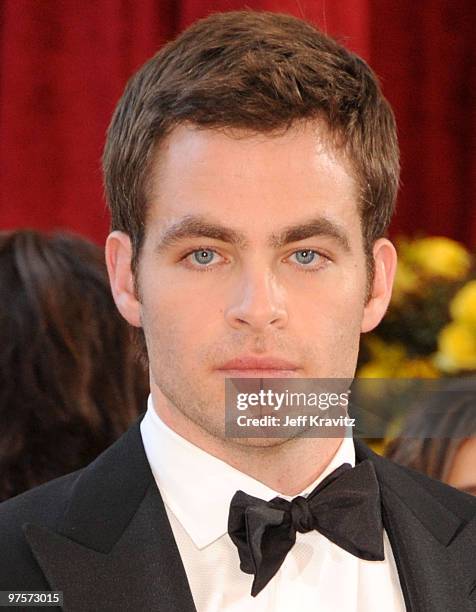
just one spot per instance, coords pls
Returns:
(385, 262)
(118, 261)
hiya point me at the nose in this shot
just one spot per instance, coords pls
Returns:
(259, 303)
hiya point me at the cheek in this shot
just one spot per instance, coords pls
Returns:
(328, 322)
(176, 320)
(335, 299)
(339, 331)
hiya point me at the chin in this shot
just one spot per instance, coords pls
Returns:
(259, 442)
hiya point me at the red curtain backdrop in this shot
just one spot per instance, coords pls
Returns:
(64, 64)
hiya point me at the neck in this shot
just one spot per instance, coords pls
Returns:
(287, 466)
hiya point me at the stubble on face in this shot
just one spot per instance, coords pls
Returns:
(185, 314)
(191, 397)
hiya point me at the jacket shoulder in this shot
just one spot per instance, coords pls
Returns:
(45, 505)
(117, 479)
(409, 483)
(461, 503)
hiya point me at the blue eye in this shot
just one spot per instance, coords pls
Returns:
(203, 256)
(305, 256)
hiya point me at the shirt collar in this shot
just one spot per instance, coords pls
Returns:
(188, 476)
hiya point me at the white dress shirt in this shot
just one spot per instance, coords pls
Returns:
(316, 575)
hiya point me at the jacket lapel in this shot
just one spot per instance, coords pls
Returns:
(115, 543)
(432, 538)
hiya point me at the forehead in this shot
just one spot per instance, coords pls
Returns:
(248, 177)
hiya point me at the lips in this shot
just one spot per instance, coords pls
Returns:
(252, 363)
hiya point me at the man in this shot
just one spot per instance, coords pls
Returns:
(251, 169)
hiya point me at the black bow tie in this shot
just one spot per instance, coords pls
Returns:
(344, 507)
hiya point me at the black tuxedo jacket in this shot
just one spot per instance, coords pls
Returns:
(101, 535)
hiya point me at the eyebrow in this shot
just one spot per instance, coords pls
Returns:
(193, 226)
(319, 226)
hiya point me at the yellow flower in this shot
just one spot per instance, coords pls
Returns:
(457, 348)
(463, 305)
(439, 256)
(416, 368)
(377, 445)
(374, 369)
(384, 352)
(380, 372)
(406, 281)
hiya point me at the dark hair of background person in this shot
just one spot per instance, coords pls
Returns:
(434, 432)
(261, 72)
(70, 383)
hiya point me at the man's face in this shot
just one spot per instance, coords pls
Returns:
(253, 251)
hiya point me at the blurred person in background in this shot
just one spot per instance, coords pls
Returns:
(70, 384)
(439, 438)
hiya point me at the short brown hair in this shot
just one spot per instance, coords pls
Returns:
(261, 72)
